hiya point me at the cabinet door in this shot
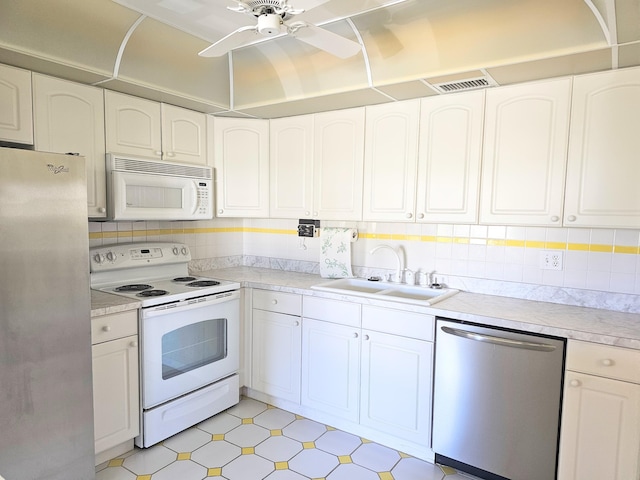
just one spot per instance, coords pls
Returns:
(603, 169)
(396, 378)
(69, 118)
(331, 368)
(115, 392)
(133, 125)
(291, 164)
(600, 429)
(449, 158)
(525, 150)
(390, 160)
(276, 351)
(184, 135)
(241, 160)
(16, 120)
(338, 162)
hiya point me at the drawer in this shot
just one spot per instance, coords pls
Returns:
(398, 322)
(604, 360)
(336, 311)
(116, 325)
(289, 303)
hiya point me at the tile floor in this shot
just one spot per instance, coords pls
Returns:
(255, 441)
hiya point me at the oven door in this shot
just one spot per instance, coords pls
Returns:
(188, 345)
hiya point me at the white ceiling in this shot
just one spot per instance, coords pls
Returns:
(407, 47)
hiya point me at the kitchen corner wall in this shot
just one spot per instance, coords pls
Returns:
(601, 266)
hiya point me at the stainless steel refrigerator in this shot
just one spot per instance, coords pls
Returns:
(46, 404)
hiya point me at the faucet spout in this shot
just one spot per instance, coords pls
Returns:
(398, 276)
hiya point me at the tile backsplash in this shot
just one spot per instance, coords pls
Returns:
(471, 256)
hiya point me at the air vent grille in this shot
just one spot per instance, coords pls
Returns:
(136, 165)
(465, 84)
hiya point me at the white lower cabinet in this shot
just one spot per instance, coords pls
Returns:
(116, 399)
(276, 344)
(600, 435)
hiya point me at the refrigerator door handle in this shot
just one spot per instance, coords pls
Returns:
(505, 342)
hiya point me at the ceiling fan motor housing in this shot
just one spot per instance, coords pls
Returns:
(269, 24)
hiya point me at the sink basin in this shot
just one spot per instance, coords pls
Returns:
(386, 291)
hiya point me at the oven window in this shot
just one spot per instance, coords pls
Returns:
(193, 346)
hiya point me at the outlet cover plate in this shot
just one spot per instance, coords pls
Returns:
(551, 259)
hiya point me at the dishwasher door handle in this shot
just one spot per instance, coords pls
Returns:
(506, 342)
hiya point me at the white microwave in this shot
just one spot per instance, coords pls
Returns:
(148, 189)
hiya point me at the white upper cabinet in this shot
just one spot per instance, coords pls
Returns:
(449, 158)
(338, 145)
(391, 156)
(69, 118)
(133, 125)
(241, 160)
(604, 167)
(525, 151)
(291, 167)
(16, 120)
(184, 135)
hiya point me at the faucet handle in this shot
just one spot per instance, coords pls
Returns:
(409, 277)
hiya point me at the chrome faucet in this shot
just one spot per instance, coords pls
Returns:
(398, 276)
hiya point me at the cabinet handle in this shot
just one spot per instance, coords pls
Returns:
(221, 211)
(366, 337)
(421, 216)
(106, 328)
(274, 301)
(355, 335)
(575, 383)
(171, 154)
(296, 323)
(607, 362)
(315, 214)
(307, 213)
(158, 153)
(133, 344)
(571, 218)
(102, 210)
(409, 215)
(555, 218)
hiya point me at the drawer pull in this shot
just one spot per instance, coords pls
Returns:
(133, 344)
(575, 383)
(106, 328)
(296, 323)
(274, 301)
(607, 362)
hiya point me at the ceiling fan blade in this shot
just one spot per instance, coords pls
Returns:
(324, 40)
(235, 39)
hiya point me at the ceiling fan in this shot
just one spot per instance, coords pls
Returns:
(273, 20)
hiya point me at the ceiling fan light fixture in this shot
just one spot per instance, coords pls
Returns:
(269, 24)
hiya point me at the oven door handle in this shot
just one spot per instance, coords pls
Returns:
(185, 305)
(505, 342)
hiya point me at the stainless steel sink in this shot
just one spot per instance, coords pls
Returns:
(386, 291)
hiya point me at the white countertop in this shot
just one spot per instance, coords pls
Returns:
(103, 303)
(581, 323)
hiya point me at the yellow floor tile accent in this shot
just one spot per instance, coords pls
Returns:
(184, 456)
(276, 433)
(116, 462)
(217, 437)
(331, 428)
(247, 421)
(404, 455)
(282, 465)
(299, 417)
(447, 470)
(143, 477)
(308, 445)
(365, 440)
(248, 451)
(345, 459)
(385, 476)
(214, 472)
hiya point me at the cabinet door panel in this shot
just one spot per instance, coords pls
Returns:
(276, 354)
(184, 135)
(391, 155)
(69, 118)
(16, 118)
(600, 429)
(330, 368)
(526, 137)
(603, 169)
(115, 392)
(396, 385)
(449, 158)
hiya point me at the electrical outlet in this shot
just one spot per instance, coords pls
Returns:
(308, 228)
(551, 259)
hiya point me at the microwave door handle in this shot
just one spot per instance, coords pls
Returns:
(194, 197)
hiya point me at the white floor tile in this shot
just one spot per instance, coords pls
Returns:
(187, 441)
(375, 457)
(274, 419)
(248, 435)
(150, 460)
(115, 473)
(247, 408)
(313, 463)
(216, 454)
(414, 469)
(351, 471)
(183, 470)
(285, 475)
(304, 430)
(248, 467)
(279, 448)
(221, 423)
(338, 443)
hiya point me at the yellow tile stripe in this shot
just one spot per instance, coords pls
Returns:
(438, 239)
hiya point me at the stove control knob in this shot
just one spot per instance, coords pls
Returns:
(176, 251)
(97, 258)
(110, 256)
(184, 251)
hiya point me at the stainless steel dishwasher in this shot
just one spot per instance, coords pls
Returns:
(497, 401)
